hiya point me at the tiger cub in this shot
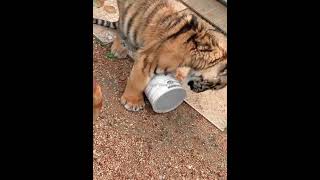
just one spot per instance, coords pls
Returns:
(164, 40)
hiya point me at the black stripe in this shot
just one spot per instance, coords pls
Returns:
(160, 5)
(216, 61)
(206, 50)
(122, 35)
(194, 21)
(155, 70)
(124, 15)
(130, 22)
(135, 32)
(114, 24)
(145, 63)
(199, 64)
(187, 27)
(101, 22)
(168, 18)
(105, 23)
(191, 38)
(176, 22)
(166, 71)
(126, 10)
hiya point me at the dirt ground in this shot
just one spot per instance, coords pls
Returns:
(145, 145)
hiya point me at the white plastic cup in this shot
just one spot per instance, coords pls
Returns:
(164, 93)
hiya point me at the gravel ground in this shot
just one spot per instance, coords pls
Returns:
(145, 145)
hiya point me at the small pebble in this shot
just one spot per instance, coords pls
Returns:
(122, 78)
(220, 174)
(109, 37)
(110, 9)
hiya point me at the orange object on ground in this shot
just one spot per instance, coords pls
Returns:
(97, 99)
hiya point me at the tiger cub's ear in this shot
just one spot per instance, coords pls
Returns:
(194, 21)
(202, 41)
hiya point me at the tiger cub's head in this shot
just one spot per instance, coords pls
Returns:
(208, 59)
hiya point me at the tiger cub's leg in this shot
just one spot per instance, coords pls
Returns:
(132, 98)
(118, 49)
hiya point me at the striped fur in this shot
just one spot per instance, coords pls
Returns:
(108, 24)
(162, 40)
